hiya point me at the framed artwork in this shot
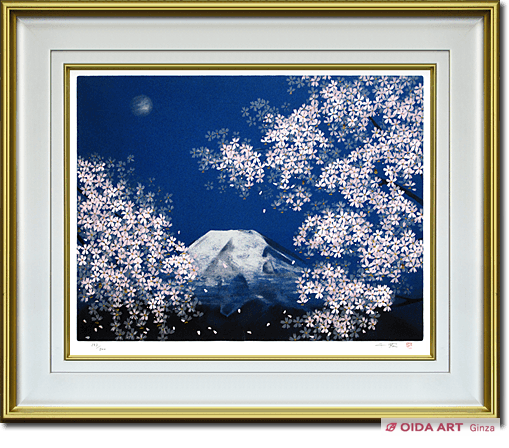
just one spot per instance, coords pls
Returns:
(257, 246)
(214, 202)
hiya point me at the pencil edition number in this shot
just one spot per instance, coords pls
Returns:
(98, 347)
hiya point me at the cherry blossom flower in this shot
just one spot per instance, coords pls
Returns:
(350, 159)
(128, 261)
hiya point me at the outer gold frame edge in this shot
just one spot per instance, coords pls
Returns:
(491, 209)
(8, 208)
(241, 413)
(429, 67)
(246, 5)
(11, 412)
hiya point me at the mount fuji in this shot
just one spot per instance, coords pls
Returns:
(238, 266)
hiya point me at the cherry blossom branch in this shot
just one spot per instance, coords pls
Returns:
(405, 190)
(407, 301)
(128, 260)
(337, 131)
(375, 123)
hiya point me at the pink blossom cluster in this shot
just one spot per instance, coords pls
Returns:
(383, 255)
(351, 306)
(356, 143)
(128, 262)
(242, 163)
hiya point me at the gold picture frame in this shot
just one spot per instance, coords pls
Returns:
(487, 11)
(255, 67)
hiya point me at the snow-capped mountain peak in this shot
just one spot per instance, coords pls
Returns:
(235, 266)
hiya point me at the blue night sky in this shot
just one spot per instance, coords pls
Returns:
(185, 108)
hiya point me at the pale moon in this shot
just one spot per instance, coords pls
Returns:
(141, 105)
